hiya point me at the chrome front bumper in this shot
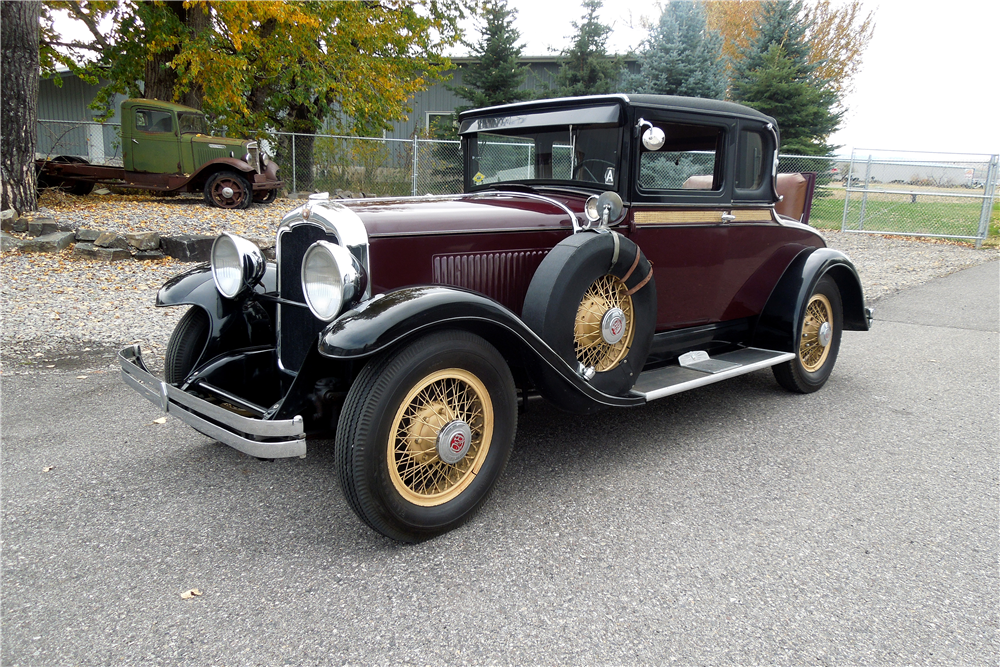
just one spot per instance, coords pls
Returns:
(265, 439)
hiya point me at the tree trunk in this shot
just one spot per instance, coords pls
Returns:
(19, 34)
(160, 77)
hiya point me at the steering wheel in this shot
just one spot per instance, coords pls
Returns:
(584, 173)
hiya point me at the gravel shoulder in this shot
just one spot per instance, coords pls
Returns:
(60, 312)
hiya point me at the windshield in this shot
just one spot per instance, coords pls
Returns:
(193, 123)
(582, 154)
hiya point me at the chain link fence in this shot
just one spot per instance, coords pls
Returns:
(874, 192)
(97, 143)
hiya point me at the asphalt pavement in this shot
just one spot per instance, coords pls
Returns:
(734, 524)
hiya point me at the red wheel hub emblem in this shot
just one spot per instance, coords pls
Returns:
(457, 442)
(616, 326)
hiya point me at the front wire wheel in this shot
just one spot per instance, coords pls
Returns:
(452, 402)
(819, 341)
(425, 432)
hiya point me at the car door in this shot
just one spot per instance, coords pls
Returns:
(155, 146)
(681, 195)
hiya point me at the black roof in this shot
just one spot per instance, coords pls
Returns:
(663, 101)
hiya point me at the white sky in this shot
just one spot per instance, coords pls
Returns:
(929, 80)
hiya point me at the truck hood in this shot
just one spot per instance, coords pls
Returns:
(475, 212)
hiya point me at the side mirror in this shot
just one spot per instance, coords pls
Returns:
(653, 139)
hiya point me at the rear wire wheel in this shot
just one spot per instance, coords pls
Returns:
(818, 343)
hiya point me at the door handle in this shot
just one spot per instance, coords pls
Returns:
(135, 141)
(728, 217)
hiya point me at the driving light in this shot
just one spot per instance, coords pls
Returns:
(331, 279)
(237, 265)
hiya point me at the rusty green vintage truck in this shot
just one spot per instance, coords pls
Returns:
(166, 148)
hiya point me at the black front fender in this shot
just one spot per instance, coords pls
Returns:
(777, 326)
(389, 319)
(230, 328)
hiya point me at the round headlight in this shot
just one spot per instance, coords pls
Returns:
(590, 209)
(331, 279)
(237, 264)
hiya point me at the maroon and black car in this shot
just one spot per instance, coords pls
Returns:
(607, 251)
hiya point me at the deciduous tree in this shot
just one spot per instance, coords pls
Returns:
(838, 35)
(19, 31)
(681, 56)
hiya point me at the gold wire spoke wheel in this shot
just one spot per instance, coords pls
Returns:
(812, 352)
(605, 293)
(441, 398)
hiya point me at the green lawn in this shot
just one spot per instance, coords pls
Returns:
(896, 213)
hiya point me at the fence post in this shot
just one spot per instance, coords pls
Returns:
(989, 191)
(864, 195)
(416, 148)
(847, 192)
(294, 165)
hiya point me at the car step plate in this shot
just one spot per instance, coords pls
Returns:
(699, 370)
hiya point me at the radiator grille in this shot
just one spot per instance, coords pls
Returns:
(503, 275)
(297, 327)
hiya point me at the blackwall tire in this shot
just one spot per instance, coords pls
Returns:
(186, 345)
(265, 196)
(228, 189)
(447, 395)
(569, 299)
(818, 345)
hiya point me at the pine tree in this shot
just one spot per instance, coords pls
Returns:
(773, 75)
(496, 75)
(681, 56)
(586, 67)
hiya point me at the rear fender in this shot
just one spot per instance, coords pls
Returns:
(395, 317)
(777, 326)
(235, 323)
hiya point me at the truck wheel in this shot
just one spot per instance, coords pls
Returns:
(425, 432)
(80, 188)
(819, 341)
(265, 196)
(596, 310)
(228, 189)
(185, 345)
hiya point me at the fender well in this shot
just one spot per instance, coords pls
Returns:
(394, 317)
(777, 325)
(229, 326)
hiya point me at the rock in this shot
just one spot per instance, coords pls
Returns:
(144, 240)
(20, 225)
(42, 227)
(48, 242)
(111, 240)
(87, 235)
(101, 191)
(90, 251)
(8, 242)
(7, 214)
(147, 255)
(188, 247)
(7, 224)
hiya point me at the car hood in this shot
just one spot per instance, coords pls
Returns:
(475, 212)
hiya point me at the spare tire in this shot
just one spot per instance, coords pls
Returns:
(593, 300)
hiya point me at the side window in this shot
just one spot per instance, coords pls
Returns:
(153, 121)
(690, 159)
(750, 166)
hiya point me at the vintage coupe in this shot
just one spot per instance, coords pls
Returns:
(607, 251)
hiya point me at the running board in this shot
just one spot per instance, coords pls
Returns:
(698, 370)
